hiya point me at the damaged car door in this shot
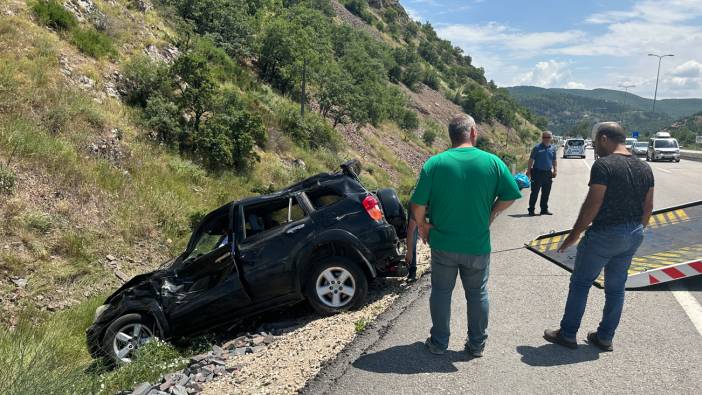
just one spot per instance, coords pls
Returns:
(207, 289)
(274, 230)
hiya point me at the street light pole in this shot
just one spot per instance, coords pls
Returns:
(626, 95)
(655, 94)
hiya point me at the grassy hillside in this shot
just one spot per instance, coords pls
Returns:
(676, 108)
(122, 122)
(686, 130)
(568, 110)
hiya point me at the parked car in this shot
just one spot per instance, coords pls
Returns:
(320, 240)
(574, 147)
(629, 143)
(640, 148)
(663, 148)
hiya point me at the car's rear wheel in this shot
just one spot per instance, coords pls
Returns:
(125, 335)
(336, 284)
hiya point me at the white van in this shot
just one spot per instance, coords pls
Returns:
(574, 147)
(664, 148)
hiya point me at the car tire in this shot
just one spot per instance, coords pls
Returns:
(321, 292)
(677, 161)
(113, 340)
(394, 211)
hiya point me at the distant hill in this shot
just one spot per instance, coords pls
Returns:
(569, 108)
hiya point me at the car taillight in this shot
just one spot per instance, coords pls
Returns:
(373, 208)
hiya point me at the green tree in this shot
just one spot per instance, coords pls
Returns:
(196, 89)
(142, 78)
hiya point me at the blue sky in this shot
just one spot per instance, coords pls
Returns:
(576, 44)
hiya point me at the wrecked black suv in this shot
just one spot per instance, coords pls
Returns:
(321, 239)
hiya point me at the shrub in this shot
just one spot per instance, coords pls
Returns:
(227, 140)
(38, 221)
(429, 136)
(143, 77)
(431, 79)
(310, 131)
(51, 13)
(7, 180)
(93, 43)
(163, 117)
(409, 120)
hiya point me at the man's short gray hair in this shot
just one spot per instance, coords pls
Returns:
(548, 132)
(459, 128)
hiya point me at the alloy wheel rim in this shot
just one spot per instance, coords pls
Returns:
(335, 287)
(128, 339)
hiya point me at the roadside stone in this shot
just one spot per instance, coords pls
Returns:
(111, 258)
(20, 282)
(217, 350)
(121, 275)
(257, 340)
(166, 385)
(142, 389)
(238, 351)
(195, 387)
(179, 390)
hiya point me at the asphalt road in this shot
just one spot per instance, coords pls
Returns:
(658, 349)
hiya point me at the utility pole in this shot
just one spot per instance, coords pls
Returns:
(626, 95)
(302, 89)
(655, 94)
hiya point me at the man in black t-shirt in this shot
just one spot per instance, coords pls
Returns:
(619, 205)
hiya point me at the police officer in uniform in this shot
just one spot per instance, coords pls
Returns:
(542, 169)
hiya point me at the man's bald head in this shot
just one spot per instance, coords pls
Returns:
(462, 129)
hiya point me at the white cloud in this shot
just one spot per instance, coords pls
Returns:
(595, 56)
(691, 68)
(574, 85)
(547, 74)
(656, 11)
(414, 15)
(520, 44)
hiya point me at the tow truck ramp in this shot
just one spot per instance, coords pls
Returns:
(671, 250)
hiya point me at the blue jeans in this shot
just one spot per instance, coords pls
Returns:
(474, 270)
(610, 248)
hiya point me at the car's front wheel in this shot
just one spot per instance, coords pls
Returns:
(336, 284)
(125, 335)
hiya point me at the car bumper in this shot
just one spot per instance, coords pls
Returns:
(667, 156)
(383, 242)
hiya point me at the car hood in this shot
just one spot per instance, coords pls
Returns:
(138, 280)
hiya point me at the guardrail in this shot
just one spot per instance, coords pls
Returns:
(691, 155)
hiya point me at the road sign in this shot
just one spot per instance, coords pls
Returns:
(635, 134)
(699, 140)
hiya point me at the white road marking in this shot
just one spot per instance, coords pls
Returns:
(586, 164)
(692, 307)
(663, 170)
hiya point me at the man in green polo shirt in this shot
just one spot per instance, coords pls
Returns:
(467, 188)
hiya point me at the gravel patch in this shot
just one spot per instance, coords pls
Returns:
(294, 358)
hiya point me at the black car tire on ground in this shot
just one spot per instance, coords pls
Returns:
(394, 211)
(127, 320)
(677, 161)
(338, 267)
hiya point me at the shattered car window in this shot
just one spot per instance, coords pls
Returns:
(270, 215)
(323, 197)
(211, 235)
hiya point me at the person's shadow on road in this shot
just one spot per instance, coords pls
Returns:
(520, 215)
(410, 359)
(554, 355)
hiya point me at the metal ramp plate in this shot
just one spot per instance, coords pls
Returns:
(671, 250)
